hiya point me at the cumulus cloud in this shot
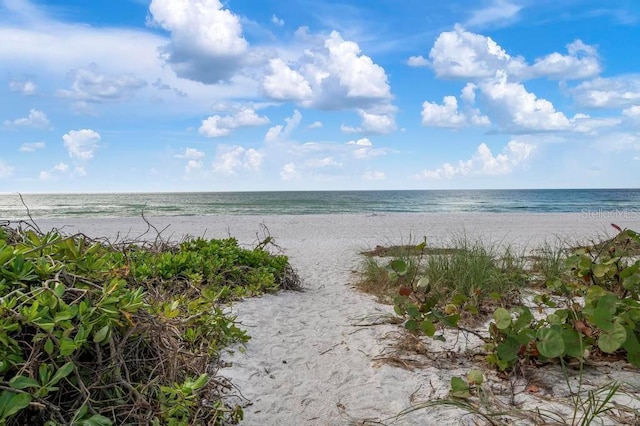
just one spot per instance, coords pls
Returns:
(217, 126)
(632, 113)
(90, 85)
(36, 119)
(583, 123)
(284, 84)
(315, 125)
(81, 144)
(363, 149)
(31, 146)
(191, 154)
(581, 62)
(616, 92)
(194, 158)
(483, 162)
(417, 61)
(206, 45)
(289, 172)
(231, 160)
(448, 115)
(378, 122)
(280, 132)
(517, 110)
(461, 54)
(334, 74)
(25, 87)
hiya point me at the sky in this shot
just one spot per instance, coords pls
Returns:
(246, 95)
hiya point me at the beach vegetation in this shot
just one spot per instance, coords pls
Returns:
(98, 333)
(571, 306)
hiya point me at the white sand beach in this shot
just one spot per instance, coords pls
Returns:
(311, 359)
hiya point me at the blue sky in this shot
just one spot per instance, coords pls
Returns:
(203, 95)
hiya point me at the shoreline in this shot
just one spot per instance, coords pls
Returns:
(310, 361)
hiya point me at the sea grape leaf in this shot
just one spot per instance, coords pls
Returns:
(459, 388)
(610, 341)
(428, 327)
(503, 318)
(550, 343)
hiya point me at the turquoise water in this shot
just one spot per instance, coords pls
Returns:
(587, 201)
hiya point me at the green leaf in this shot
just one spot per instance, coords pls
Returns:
(508, 350)
(428, 328)
(48, 346)
(411, 325)
(600, 270)
(67, 346)
(573, 343)
(459, 388)
(18, 402)
(475, 377)
(101, 335)
(503, 318)
(22, 382)
(97, 420)
(610, 341)
(399, 266)
(550, 343)
(62, 372)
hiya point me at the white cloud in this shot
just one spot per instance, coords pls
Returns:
(26, 87)
(206, 39)
(32, 146)
(466, 55)
(483, 162)
(361, 142)
(616, 92)
(61, 167)
(277, 21)
(217, 126)
(462, 54)
(37, 119)
(285, 84)
(81, 144)
(59, 170)
(191, 154)
(192, 166)
(517, 110)
(315, 125)
(632, 112)
(447, 115)
(374, 175)
(363, 149)
(323, 162)
(289, 172)
(280, 132)
(498, 12)
(90, 85)
(231, 160)
(581, 62)
(333, 74)
(5, 169)
(417, 61)
(373, 122)
(583, 123)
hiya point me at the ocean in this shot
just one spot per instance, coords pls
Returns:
(614, 202)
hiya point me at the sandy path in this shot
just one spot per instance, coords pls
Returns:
(307, 361)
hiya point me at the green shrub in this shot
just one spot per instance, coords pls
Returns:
(96, 334)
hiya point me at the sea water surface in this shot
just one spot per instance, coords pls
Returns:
(587, 201)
